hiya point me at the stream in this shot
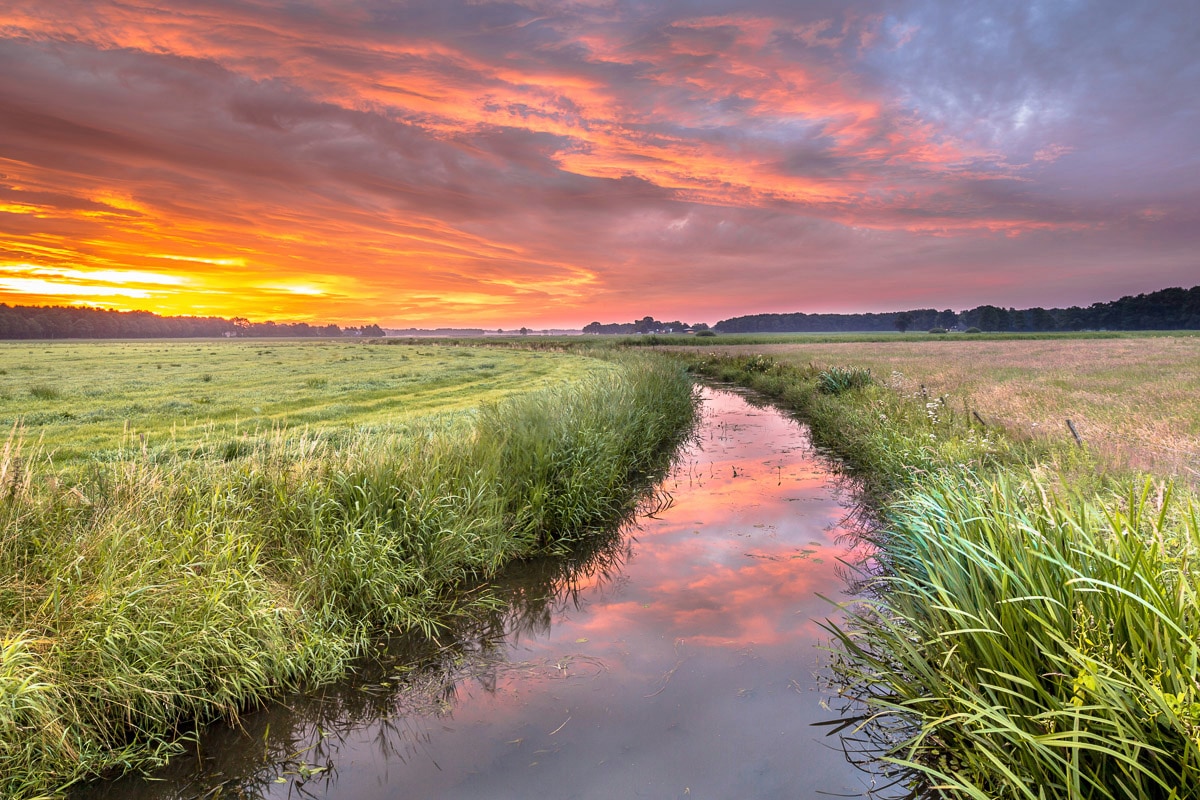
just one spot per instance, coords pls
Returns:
(675, 658)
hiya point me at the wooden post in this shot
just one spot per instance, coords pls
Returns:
(976, 415)
(1075, 433)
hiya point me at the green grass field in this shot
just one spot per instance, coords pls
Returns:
(102, 400)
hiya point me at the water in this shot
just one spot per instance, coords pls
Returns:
(677, 659)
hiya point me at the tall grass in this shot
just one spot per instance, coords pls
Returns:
(1028, 645)
(1031, 628)
(153, 593)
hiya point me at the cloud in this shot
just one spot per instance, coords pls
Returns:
(525, 162)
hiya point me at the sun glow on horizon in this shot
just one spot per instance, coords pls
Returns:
(216, 262)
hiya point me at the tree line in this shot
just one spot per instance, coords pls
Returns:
(643, 325)
(68, 322)
(1166, 309)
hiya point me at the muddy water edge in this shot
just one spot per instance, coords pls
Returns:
(678, 657)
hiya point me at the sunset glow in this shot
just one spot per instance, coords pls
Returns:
(553, 163)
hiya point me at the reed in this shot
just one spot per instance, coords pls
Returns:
(145, 595)
(1027, 644)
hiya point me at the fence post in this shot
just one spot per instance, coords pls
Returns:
(1075, 433)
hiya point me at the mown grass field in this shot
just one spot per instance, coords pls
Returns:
(290, 502)
(103, 400)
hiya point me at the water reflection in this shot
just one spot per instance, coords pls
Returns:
(675, 659)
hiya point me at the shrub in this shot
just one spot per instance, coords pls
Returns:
(973, 329)
(937, 330)
(706, 333)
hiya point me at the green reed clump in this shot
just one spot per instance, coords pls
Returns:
(1026, 644)
(141, 596)
(838, 380)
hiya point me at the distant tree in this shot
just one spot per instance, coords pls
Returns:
(1040, 319)
(524, 331)
(646, 325)
(1073, 318)
(947, 319)
(903, 321)
(58, 322)
(989, 318)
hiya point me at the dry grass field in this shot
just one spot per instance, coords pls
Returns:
(1135, 401)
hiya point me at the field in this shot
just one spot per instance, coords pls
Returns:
(100, 400)
(290, 503)
(187, 528)
(1131, 397)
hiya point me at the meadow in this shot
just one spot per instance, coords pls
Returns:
(1132, 399)
(1130, 394)
(289, 504)
(187, 528)
(97, 400)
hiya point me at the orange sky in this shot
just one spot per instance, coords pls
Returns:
(553, 163)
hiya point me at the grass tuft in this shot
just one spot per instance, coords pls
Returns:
(836, 380)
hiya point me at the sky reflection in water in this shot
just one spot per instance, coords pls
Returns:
(683, 666)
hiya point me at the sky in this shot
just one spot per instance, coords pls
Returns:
(550, 163)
